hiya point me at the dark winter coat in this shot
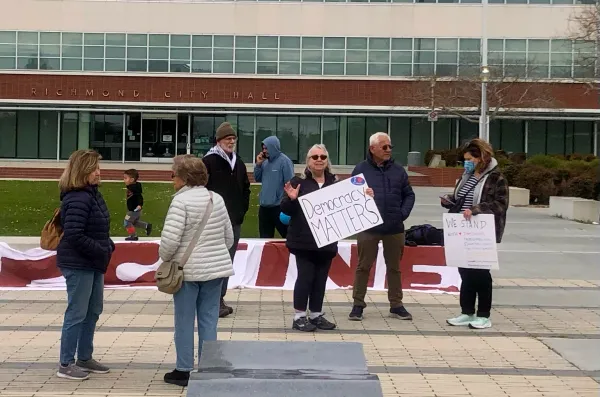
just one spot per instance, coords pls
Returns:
(299, 236)
(86, 244)
(232, 185)
(394, 196)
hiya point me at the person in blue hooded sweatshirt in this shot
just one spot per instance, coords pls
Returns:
(273, 170)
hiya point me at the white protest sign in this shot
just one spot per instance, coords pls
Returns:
(470, 244)
(340, 210)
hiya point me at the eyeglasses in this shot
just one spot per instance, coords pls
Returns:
(317, 156)
(387, 147)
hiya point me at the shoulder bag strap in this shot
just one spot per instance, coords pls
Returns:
(199, 229)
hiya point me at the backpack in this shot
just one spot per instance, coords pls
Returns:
(52, 232)
(424, 235)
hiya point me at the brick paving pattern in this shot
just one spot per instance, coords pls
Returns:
(420, 358)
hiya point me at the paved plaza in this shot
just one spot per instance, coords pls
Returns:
(545, 339)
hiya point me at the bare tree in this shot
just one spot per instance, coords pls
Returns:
(462, 96)
(585, 32)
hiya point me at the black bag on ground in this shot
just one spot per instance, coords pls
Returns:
(424, 235)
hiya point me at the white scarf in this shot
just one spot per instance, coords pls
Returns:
(218, 150)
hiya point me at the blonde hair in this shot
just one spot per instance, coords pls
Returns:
(190, 169)
(82, 163)
(323, 148)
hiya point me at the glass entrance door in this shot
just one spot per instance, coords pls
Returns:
(159, 138)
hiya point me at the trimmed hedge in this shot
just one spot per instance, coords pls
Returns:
(573, 175)
(554, 175)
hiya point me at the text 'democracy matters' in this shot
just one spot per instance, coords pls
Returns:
(470, 243)
(340, 211)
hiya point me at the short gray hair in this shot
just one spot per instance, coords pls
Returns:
(322, 147)
(378, 136)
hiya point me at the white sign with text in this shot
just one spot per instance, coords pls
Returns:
(470, 243)
(340, 210)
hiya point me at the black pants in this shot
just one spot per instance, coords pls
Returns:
(313, 269)
(236, 239)
(268, 221)
(475, 283)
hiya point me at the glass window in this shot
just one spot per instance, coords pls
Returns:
(536, 137)
(223, 41)
(27, 134)
(444, 134)
(289, 67)
(203, 132)
(335, 43)
(309, 134)
(583, 137)
(106, 135)
(245, 42)
(356, 43)
(400, 136)
(512, 136)
(8, 133)
(356, 69)
(467, 131)
(331, 137)
(289, 42)
(555, 138)
(223, 54)
(158, 40)
(72, 38)
(420, 135)
(245, 145)
(180, 40)
(202, 41)
(69, 134)
(265, 126)
(50, 38)
(222, 67)
(8, 37)
(137, 40)
(48, 134)
(268, 42)
(115, 65)
(115, 39)
(287, 132)
(356, 142)
(8, 50)
(133, 129)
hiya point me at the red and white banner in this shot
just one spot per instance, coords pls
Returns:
(258, 264)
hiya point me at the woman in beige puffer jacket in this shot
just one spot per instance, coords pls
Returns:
(208, 264)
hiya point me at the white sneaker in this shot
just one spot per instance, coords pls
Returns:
(480, 323)
(462, 320)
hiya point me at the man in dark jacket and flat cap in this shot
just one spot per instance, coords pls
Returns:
(227, 176)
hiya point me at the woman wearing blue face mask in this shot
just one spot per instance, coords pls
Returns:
(481, 190)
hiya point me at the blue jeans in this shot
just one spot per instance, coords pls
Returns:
(85, 294)
(199, 299)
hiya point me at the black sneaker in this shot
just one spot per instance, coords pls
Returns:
(179, 378)
(224, 310)
(401, 313)
(148, 229)
(322, 323)
(131, 238)
(302, 324)
(356, 314)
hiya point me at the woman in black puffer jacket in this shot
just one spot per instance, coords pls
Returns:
(313, 263)
(82, 256)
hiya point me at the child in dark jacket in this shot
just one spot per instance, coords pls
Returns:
(135, 202)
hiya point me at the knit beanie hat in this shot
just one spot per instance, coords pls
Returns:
(225, 130)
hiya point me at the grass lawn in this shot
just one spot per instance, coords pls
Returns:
(25, 206)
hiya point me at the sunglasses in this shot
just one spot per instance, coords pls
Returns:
(387, 147)
(317, 156)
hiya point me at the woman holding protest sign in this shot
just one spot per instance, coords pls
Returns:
(313, 263)
(481, 190)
